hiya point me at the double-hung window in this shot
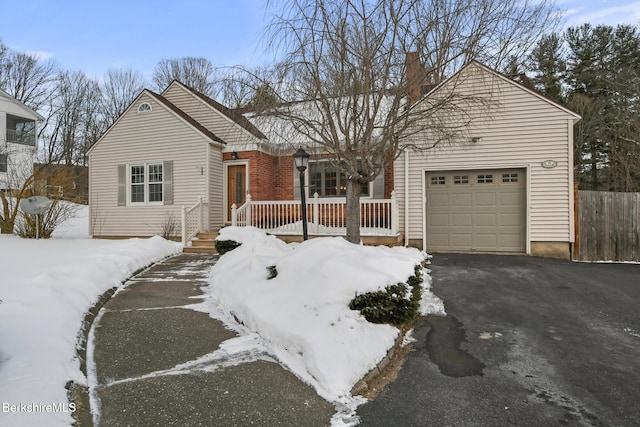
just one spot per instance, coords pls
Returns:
(145, 183)
(327, 180)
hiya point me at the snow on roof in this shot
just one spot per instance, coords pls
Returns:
(297, 123)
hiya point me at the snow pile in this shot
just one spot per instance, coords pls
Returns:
(46, 287)
(302, 314)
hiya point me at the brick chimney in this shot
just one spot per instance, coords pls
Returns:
(414, 76)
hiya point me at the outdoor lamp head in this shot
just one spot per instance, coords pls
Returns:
(301, 159)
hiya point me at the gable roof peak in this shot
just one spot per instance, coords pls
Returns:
(229, 113)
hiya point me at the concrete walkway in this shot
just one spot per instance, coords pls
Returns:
(155, 364)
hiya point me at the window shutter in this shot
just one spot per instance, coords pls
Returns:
(122, 185)
(167, 191)
(378, 186)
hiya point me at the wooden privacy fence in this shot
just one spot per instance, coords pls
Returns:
(608, 226)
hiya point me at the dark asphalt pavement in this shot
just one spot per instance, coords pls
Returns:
(526, 342)
(157, 361)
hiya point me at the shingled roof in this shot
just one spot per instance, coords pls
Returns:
(236, 117)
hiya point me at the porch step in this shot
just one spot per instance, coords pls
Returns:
(203, 243)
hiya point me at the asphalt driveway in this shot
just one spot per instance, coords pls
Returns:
(526, 341)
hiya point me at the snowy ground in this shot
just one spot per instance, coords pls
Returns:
(46, 286)
(300, 316)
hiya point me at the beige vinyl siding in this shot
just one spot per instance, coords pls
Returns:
(207, 116)
(158, 135)
(522, 132)
(216, 189)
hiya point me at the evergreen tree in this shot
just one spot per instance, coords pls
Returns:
(603, 73)
(548, 66)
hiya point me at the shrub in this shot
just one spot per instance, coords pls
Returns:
(42, 226)
(396, 304)
(169, 228)
(224, 246)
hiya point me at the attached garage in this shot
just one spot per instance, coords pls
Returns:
(502, 184)
(476, 210)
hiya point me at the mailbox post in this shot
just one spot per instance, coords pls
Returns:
(36, 205)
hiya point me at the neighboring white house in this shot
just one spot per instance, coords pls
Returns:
(507, 186)
(18, 141)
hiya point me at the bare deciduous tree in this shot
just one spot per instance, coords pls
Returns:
(26, 77)
(347, 60)
(239, 87)
(197, 73)
(119, 88)
(75, 122)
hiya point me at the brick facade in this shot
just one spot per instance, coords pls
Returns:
(388, 181)
(270, 177)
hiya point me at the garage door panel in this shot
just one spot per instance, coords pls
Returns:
(486, 241)
(487, 220)
(486, 199)
(511, 220)
(510, 240)
(460, 200)
(462, 220)
(479, 214)
(511, 199)
(440, 240)
(439, 200)
(461, 240)
(439, 220)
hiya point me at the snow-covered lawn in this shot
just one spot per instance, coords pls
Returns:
(301, 315)
(46, 286)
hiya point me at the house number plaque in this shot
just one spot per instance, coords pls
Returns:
(549, 164)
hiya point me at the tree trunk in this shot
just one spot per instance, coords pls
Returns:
(353, 211)
(7, 220)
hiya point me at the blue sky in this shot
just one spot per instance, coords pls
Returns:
(94, 35)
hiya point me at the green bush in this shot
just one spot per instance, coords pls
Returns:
(396, 304)
(224, 246)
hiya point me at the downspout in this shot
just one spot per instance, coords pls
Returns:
(406, 197)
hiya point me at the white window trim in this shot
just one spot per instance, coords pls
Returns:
(146, 201)
(141, 110)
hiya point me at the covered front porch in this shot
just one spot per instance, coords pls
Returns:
(325, 217)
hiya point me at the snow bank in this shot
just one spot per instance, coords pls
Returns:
(303, 312)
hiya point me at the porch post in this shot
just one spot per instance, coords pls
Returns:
(247, 210)
(184, 226)
(200, 214)
(316, 213)
(394, 213)
(234, 220)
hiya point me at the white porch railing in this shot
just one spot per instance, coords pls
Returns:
(378, 217)
(192, 221)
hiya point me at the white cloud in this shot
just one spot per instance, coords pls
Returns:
(620, 14)
(40, 54)
(574, 11)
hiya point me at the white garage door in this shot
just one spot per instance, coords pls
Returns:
(482, 210)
